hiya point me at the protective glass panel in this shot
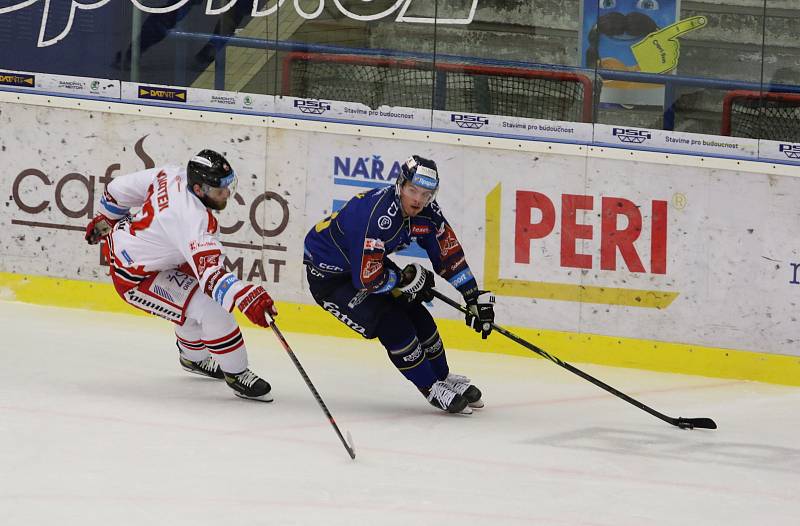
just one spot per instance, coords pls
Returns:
(714, 68)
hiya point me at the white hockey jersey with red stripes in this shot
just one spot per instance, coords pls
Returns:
(173, 227)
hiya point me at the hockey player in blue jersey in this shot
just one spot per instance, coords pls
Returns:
(351, 277)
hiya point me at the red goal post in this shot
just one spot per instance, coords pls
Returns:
(761, 115)
(451, 86)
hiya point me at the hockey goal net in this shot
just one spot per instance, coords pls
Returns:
(469, 88)
(762, 115)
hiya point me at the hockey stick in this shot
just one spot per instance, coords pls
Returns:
(346, 443)
(683, 423)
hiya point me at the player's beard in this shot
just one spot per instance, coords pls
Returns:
(213, 205)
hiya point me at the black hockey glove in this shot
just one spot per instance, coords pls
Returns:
(480, 316)
(416, 283)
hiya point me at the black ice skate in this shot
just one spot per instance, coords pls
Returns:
(444, 397)
(462, 385)
(208, 367)
(248, 385)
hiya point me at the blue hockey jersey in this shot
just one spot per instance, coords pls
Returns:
(356, 240)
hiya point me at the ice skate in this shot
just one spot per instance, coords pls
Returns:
(247, 384)
(208, 367)
(444, 397)
(461, 385)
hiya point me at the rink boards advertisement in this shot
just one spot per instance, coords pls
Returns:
(579, 243)
(53, 189)
(605, 246)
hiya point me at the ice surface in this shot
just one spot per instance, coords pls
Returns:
(100, 426)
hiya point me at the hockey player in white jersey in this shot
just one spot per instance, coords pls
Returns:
(166, 259)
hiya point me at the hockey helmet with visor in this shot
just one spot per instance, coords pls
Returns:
(210, 169)
(421, 173)
(217, 180)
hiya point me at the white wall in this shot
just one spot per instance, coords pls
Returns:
(716, 256)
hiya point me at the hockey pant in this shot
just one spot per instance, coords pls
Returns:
(407, 331)
(202, 326)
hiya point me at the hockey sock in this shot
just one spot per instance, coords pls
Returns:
(219, 332)
(194, 351)
(434, 353)
(229, 351)
(398, 337)
(428, 333)
(189, 341)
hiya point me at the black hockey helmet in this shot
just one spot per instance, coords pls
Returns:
(209, 168)
(420, 172)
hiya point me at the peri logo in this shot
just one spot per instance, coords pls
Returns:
(310, 106)
(792, 151)
(471, 122)
(384, 222)
(631, 135)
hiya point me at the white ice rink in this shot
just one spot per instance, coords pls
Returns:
(100, 426)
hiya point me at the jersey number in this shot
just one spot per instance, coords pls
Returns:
(325, 223)
(145, 215)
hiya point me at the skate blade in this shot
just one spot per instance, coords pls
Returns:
(201, 373)
(264, 398)
(476, 405)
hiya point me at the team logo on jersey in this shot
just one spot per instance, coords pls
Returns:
(370, 266)
(384, 222)
(24, 81)
(169, 94)
(206, 260)
(448, 242)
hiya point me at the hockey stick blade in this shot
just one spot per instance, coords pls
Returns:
(691, 423)
(351, 448)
